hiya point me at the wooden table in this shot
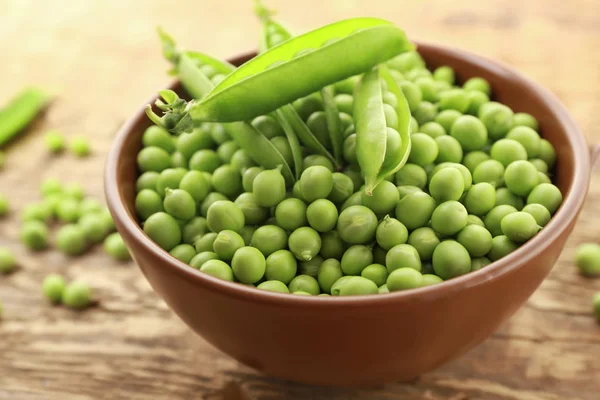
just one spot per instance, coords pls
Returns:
(103, 57)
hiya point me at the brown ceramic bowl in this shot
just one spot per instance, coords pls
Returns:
(366, 340)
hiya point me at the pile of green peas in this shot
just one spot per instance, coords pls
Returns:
(476, 186)
(84, 221)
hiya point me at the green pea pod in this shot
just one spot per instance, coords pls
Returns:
(281, 75)
(259, 148)
(273, 32)
(292, 139)
(20, 112)
(334, 124)
(403, 124)
(371, 129)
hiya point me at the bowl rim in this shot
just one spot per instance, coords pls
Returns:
(568, 210)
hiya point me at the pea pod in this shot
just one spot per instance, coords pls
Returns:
(334, 124)
(403, 125)
(20, 112)
(371, 129)
(292, 139)
(259, 148)
(272, 28)
(281, 75)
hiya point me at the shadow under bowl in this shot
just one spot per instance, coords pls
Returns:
(360, 341)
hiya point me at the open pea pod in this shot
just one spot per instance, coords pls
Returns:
(258, 147)
(404, 115)
(371, 128)
(273, 32)
(289, 71)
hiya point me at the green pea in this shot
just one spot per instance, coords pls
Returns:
(317, 123)
(430, 279)
(304, 283)
(148, 202)
(115, 247)
(454, 99)
(472, 159)
(55, 141)
(476, 101)
(424, 240)
(444, 74)
(475, 220)
(77, 295)
(355, 259)
(540, 165)
(305, 243)
(587, 259)
(478, 84)
(193, 229)
(450, 259)
(524, 119)
(424, 149)
(281, 265)
(344, 103)
(343, 188)
(450, 149)
(179, 204)
(405, 190)
(227, 243)
(383, 200)
(50, 186)
(447, 184)
(519, 227)
(224, 214)
(449, 218)
(196, 184)
(248, 264)
(476, 239)
(317, 159)
(357, 285)
(470, 132)
(403, 279)
(71, 240)
(432, 129)
(446, 119)
(479, 262)
(159, 137)
(413, 126)
(501, 246)
(306, 106)
(269, 238)
(316, 182)
(227, 180)
(414, 210)
(494, 218)
(93, 226)
(376, 273)
(490, 171)
(163, 229)
(310, 267)
(480, 198)
(346, 86)
(178, 160)
(80, 146)
(153, 159)
(412, 93)
(189, 143)
(218, 269)
(411, 174)
(8, 261)
(389, 98)
(329, 272)
(253, 213)
(426, 112)
(147, 180)
(508, 151)
(268, 126)
(357, 225)
(538, 212)
(383, 289)
(290, 214)
(34, 235)
(466, 174)
(199, 259)
(547, 153)
(547, 195)
(497, 118)
(36, 212)
(274, 286)
(74, 191)
(505, 196)
(248, 177)
(428, 87)
(269, 188)
(322, 215)
(205, 160)
(283, 146)
(401, 256)
(53, 288)
(183, 252)
(169, 178)
(331, 245)
(528, 138)
(349, 149)
(218, 133)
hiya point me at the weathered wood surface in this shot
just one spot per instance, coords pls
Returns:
(103, 58)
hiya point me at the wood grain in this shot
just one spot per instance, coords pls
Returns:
(102, 57)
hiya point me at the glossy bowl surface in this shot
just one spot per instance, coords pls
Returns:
(356, 341)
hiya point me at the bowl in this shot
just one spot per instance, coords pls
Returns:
(363, 340)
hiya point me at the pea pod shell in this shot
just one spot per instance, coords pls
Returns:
(248, 91)
(371, 129)
(334, 124)
(292, 139)
(20, 112)
(403, 123)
